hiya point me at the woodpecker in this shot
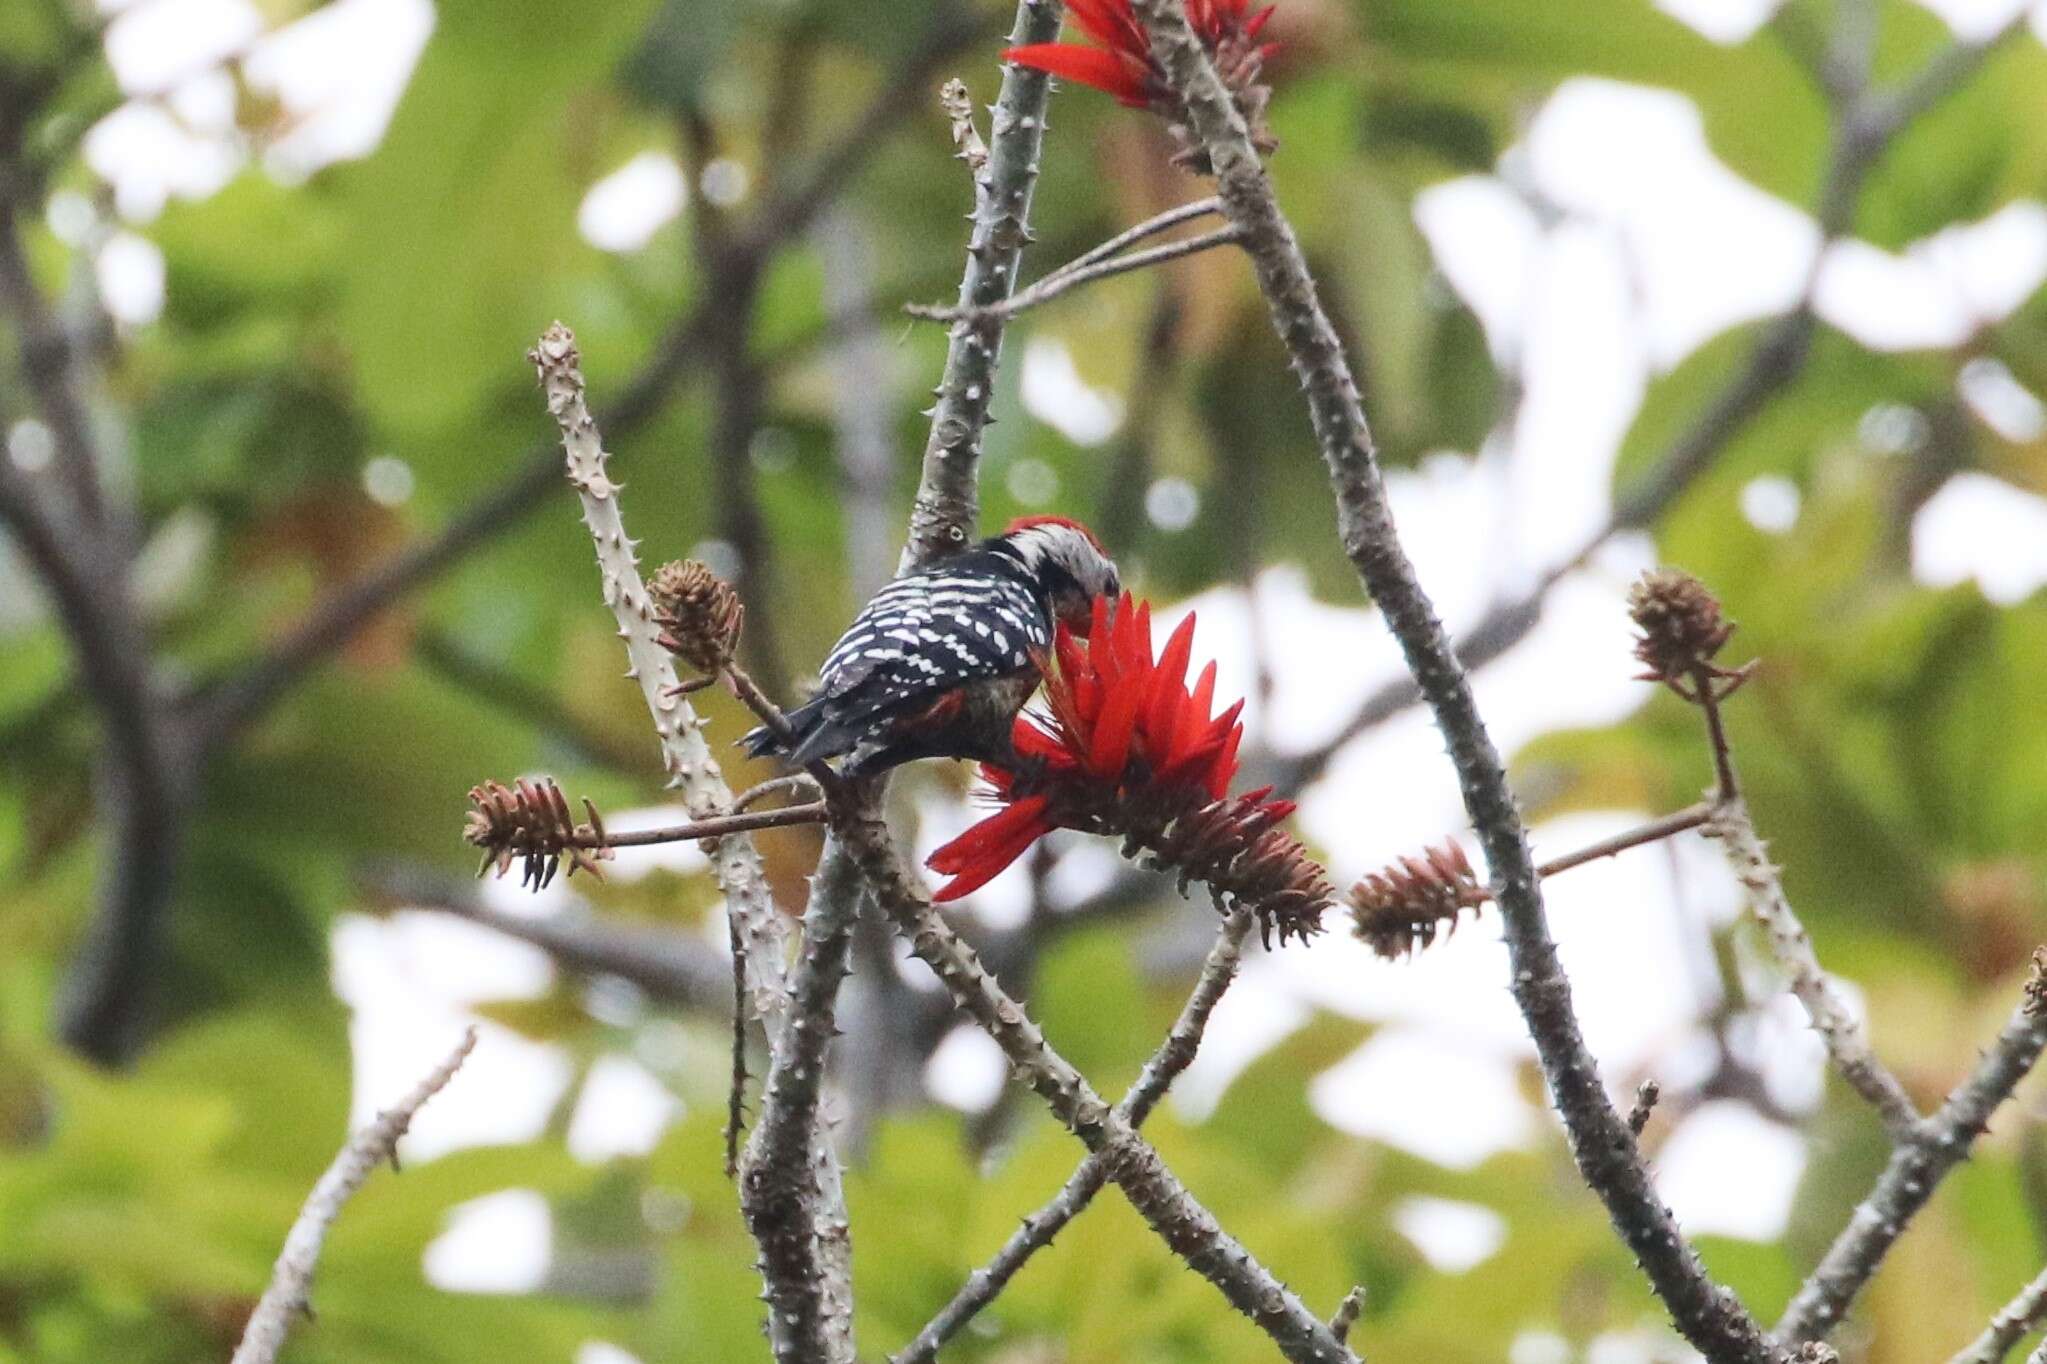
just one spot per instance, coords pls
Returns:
(938, 663)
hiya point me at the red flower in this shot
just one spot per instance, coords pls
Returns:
(1122, 64)
(1129, 749)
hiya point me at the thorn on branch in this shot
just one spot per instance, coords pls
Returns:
(953, 98)
(530, 822)
(1646, 1095)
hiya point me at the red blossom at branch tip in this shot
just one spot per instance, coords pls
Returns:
(1129, 750)
(1122, 64)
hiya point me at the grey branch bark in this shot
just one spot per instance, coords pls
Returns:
(1606, 1151)
(948, 502)
(1829, 1011)
(1936, 1146)
(1038, 1230)
(824, 1280)
(2013, 1322)
(1166, 1205)
(289, 1295)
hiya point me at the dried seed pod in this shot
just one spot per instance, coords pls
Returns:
(699, 614)
(1682, 626)
(1401, 908)
(530, 822)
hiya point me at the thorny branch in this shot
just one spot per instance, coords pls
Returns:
(2013, 1322)
(1173, 1056)
(289, 1295)
(1608, 1158)
(1052, 286)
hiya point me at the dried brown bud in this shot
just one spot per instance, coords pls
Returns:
(1400, 909)
(2036, 984)
(530, 822)
(699, 614)
(1682, 626)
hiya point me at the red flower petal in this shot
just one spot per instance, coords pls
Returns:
(1225, 765)
(980, 854)
(1110, 23)
(1094, 66)
(1169, 691)
(1110, 749)
(1256, 25)
(1193, 727)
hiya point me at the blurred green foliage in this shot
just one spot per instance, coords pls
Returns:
(1895, 747)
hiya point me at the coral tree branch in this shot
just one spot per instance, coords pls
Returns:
(1606, 1151)
(1173, 1056)
(289, 1295)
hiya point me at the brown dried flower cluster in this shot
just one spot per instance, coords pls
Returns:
(1236, 848)
(699, 614)
(1682, 629)
(1401, 908)
(530, 822)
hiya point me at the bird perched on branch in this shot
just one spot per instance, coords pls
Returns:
(938, 663)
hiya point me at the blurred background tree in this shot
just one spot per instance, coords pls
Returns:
(1751, 288)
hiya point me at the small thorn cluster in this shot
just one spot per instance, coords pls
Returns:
(1399, 909)
(2036, 984)
(1682, 629)
(699, 614)
(529, 821)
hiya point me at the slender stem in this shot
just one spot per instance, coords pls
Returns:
(735, 1101)
(1038, 1229)
(1935, 1146)
(1150, 227)
(948, 500)
(1347, 1313)
(717, 826)
(1691, 817)
(805, 1254)
(1608, 1157)
(1189, 1229)
(289, 1295)
(1072, 277)
(1831, 1016)
(2013, 1322)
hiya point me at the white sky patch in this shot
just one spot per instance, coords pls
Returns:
(1706, 249)
(500, 1243)
(1980, 527)
(148, 156)
(622, 1111)
(154, 45)
(1940, 291)
(205, 103)
(966, 1070)
(1723, 1147)
(1994, 393)
(1453, 1236)
(129, 271)
(339, 73)
(624, 210)
(1056, 395)
(1255, 1015)
(1485, 240)
(1770, 503)
(604, 1352)
(1455, 1106)
(409, 979)
(1724, 21)
(1975, 20)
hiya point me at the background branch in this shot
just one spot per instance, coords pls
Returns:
(1605, 1149)
(289, 1295)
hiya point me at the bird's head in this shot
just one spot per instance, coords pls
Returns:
(1069, 563)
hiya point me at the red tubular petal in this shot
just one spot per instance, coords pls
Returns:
(1193, 726)
(1168, 692)
(1110, 23)
(1111, 747)
(1225, 766)
(996, 831)
(1133, 651)
(1257, 22)
(1093, 66)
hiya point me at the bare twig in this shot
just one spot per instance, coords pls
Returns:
(1038, 1229)
(735, 1100)
(1189, 1229)
(2013, 1322)
(1830, 1013)
(1934, 1147)
(966, 140)
(1347, 1313)
(948, 503)
(289, 1295)
(1608, 1158)
(810, 1285)
(1052, 286)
